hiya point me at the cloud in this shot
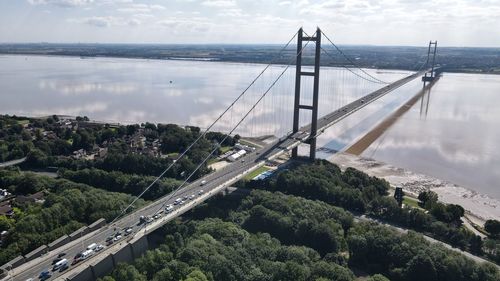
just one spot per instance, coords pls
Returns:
(61, 3)
(99, 21)
(141, 8)
(219, 3)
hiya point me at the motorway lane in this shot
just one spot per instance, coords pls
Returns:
(213, 180)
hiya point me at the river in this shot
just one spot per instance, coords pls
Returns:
(453, 136)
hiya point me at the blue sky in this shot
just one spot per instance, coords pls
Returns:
(384, 22)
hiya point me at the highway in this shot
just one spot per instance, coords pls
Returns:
(214, 181)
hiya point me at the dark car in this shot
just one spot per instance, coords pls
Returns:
(44, 275)
(60, 255)
(109, 240)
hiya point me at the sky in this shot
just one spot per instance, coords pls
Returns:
(384, 22)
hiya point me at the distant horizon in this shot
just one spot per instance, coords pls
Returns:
(237, 44)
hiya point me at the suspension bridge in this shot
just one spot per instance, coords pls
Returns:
(283, 101)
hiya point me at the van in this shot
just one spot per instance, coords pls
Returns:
(92, 246)
(59, 264)
(86, 254)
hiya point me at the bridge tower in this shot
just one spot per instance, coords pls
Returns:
(297, 104)
(429, 76)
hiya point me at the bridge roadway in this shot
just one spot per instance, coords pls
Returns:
(215, 182)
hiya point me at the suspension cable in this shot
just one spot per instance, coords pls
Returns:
(352, 62)
(206, 130)
(174, 192)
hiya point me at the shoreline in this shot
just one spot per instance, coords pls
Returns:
(478, 207)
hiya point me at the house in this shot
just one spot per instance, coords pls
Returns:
(6, 209)
(38, 197)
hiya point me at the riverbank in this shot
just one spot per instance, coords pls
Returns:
(478, 207)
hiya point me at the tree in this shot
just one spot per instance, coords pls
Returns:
(378, 277)
(492, 227)
(196, 275)
(127, 272)
(428, 198)
(421, 267)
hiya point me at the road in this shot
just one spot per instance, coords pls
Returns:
(12, 162)
(428, 238)
(214, 181)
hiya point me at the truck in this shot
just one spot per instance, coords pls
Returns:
(92, 246)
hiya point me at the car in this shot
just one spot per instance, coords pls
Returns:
(78, 256)
(362, 101)
(128, 231)
(44, 275)
(177, 201)
(185, 198)
(98, 248)
(61, 254)
(169, 208)
(157, 216)
(203, 182)
(109, 240)
(242, 160)
(149, 220)
(181, 203)
(56, 260)
(118, 237)
(192, 196)
(200, 192)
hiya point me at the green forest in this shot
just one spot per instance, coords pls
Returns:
(273, 236)
(310, 233)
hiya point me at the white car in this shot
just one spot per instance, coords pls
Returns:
(181, 203)
(177, 201)
(117, 237)
(98, 248)
(200, 192)
(169, 208)
(191, 197)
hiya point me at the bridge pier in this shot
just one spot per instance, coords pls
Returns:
(297, 104)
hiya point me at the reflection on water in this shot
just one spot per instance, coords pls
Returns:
(182, 92)
(452, 133)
